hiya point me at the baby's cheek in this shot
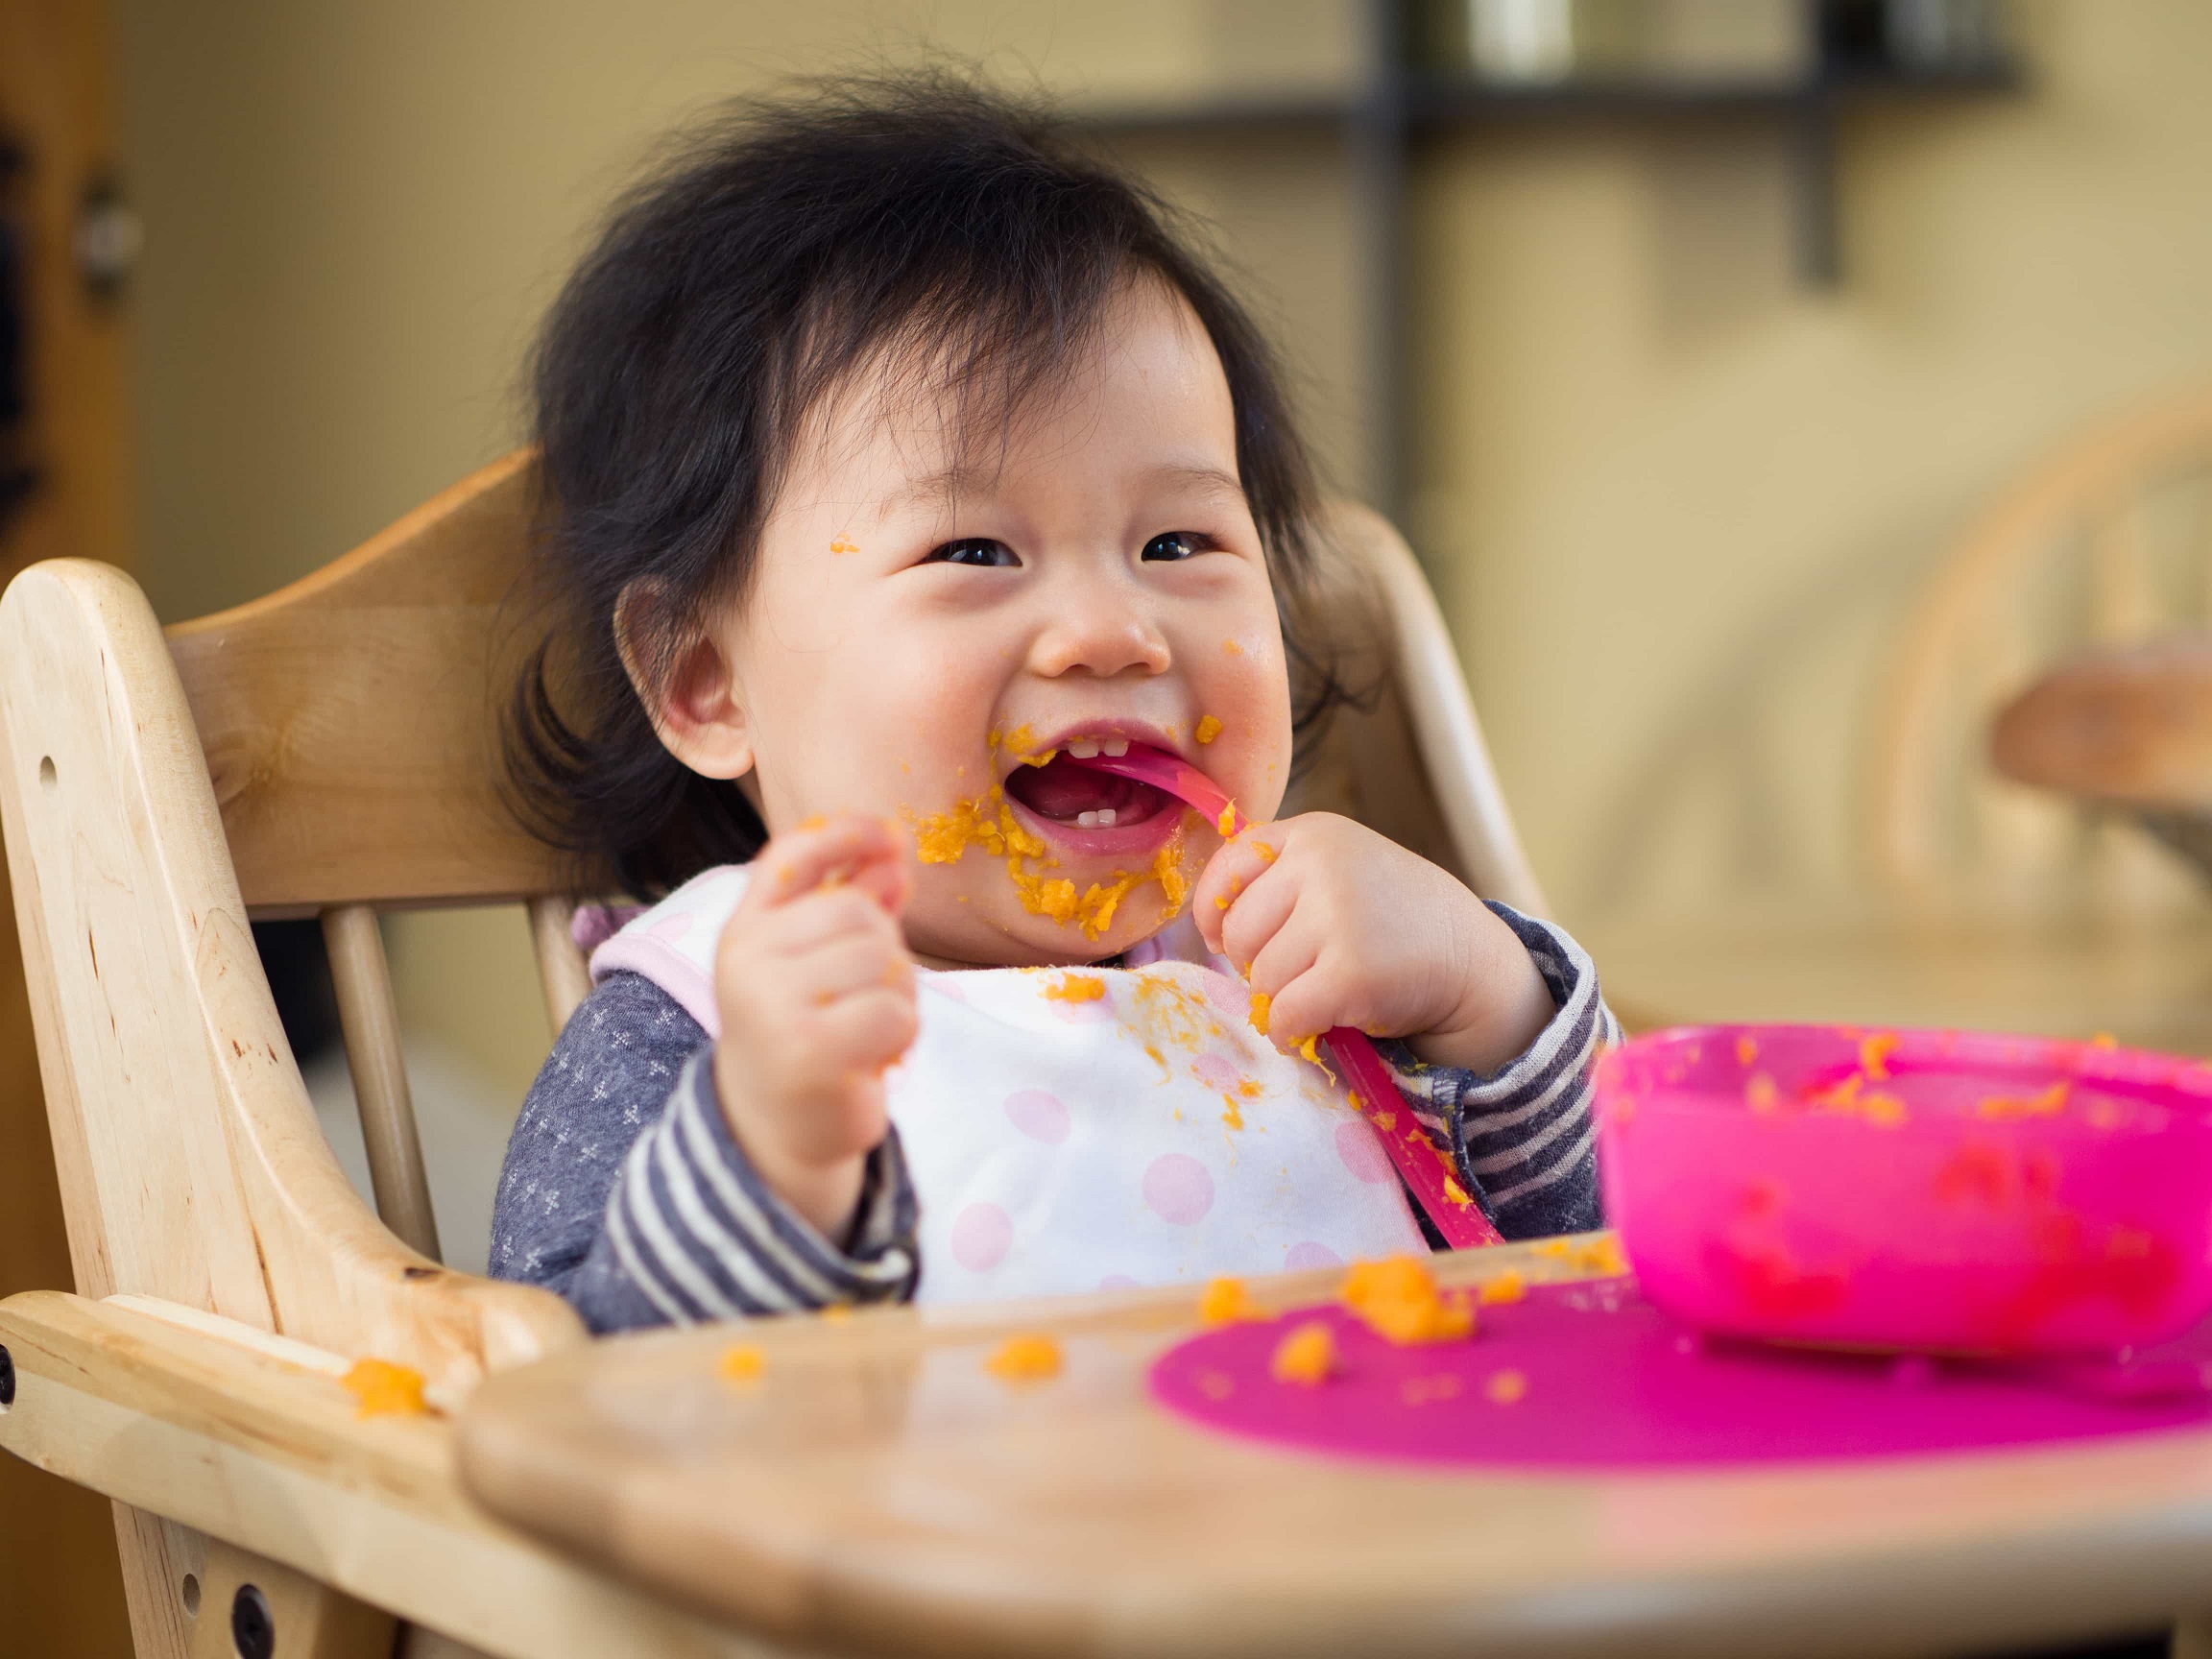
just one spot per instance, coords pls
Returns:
(1243, 730)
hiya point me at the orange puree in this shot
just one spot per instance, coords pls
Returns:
(1261, 1001)
(1024, 1360)
(1227, 821)
(1208, 730)
(1022, 744)
(1307, 1357)
(384, 1389)
(842, 545)
(1223, 1302)
(1076, 988)
(989, 823)
(1397, 1298)
(742, 1363)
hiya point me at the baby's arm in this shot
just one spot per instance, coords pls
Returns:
(1500, 1015)
(616, 1191)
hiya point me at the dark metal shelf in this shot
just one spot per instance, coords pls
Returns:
(1385, 120)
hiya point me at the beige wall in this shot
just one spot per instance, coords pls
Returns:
(1673, 498)
(1677, 498)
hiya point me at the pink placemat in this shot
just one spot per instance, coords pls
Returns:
(1591, 1376)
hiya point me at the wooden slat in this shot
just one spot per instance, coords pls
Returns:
(351, 719)
(561, 966)
(371, 1021)
(192, 1166)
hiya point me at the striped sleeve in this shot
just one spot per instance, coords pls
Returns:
(693, 1233)
(1524, 1137)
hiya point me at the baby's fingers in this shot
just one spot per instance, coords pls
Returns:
(1227, 876)
(867, 1029)
(851, 849)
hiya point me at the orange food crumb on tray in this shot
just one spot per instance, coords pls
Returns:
(1398, 1299)
(383, 1389)
(1307, 1357)
(1024, 1360)
(1223, 1302)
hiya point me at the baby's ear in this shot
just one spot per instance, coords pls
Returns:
(693, 695)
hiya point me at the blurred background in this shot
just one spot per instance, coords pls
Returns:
(1771, 389)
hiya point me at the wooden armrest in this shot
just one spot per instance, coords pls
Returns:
(259, 1444)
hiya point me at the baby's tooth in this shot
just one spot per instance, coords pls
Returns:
(1117, 746)
(1086, 819)
(1105, 817)
(1084, 748)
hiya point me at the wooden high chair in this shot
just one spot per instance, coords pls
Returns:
(329, 750)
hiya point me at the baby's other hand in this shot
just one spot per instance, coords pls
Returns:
(816, 993)
(1338, 925)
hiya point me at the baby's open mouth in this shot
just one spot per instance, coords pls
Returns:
(1066, 792)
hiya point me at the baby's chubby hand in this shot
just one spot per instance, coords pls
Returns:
(1338, 925)
(816, 992)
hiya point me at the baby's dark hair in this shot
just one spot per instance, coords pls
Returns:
(768, 260)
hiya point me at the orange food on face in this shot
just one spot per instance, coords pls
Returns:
(1261, 1001)
(1024, 1360)
(742, 1363)
(1307, 1357)
(1208, 730)
(383, 1389)
(989, 823)
(842, 545)
(1076, 988)
(1397, 1298)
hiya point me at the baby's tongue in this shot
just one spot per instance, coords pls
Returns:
(1060, 789)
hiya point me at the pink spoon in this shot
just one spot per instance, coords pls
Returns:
(1426, 1170)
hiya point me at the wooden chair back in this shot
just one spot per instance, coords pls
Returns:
(2108, 540)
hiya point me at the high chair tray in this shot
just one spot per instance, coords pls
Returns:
(874, 1488)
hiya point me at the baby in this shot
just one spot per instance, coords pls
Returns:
(898, 461)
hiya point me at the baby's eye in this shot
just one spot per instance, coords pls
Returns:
(980, 550)
(1175, 545)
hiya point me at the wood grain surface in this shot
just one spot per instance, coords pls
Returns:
(875, 1490)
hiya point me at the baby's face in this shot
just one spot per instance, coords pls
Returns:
(927, 620)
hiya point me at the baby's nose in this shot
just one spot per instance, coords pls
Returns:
(1100, 638)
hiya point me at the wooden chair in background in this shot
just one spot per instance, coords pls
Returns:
(2108, 540)
(328, 750)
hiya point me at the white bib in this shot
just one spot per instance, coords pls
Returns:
(1061, 1140)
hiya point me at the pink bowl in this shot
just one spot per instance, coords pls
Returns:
(1934, 1190)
